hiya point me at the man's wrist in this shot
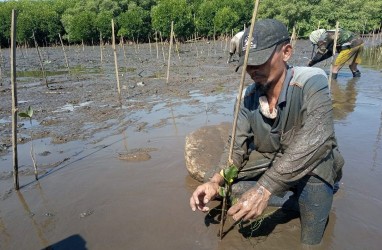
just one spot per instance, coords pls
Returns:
(262, 191)
(217, 178)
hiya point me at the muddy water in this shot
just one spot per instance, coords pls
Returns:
(90, 198)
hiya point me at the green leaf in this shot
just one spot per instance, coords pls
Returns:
(24, 115)
(30, 112)
(230, 174)
(27, 114)
(222, 191)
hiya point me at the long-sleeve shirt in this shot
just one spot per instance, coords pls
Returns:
(300, 140)
(346, 39)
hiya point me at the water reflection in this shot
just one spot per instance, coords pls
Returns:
(4, 235)
(38, 228)
(344, 98)
(377, 144)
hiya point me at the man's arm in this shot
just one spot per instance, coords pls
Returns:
(319, 57)
(324, 50)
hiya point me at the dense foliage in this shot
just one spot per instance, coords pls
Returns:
(89, 20)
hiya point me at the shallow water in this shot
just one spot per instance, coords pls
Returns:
(94, 200)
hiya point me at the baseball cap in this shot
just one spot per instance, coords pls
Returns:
(267, 34)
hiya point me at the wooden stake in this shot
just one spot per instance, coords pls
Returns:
(40, 58)
(124, 54)
(161, 41)
(14, 101)
(1, 62)
(169, 51)
(293, 37)
(156, 43)
(115, 59)
(100, 46)
(334, 52)
(238, 101)
(150, 45)
(63, 49)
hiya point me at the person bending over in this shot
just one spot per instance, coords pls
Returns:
(349, 46)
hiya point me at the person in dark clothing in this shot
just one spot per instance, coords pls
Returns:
(285, 147)
(349, 46)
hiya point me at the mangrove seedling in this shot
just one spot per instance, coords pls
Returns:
(28, 114)
(229, 174)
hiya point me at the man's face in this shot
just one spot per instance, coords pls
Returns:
(271, 71)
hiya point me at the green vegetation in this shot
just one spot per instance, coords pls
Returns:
(85, 20)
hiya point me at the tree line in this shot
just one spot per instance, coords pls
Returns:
(89, 21)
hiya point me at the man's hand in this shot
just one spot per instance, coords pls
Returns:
(205, 192)
(251, 204)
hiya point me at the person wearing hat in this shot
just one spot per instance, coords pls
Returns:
(349, 46)
(285, 147)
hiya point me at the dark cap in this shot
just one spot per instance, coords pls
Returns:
(267, 34)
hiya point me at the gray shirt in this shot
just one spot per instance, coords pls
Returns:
(300, 140)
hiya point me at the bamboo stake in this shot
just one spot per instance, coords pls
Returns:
(63, 49)
(150, 45)
(40, 58)
(214, 39)
(238, 101)
(334, 52)
(196, 47)
(14, 101)
(161, 41)
(115, 60)
(156, 43)
(100, 46)
(293, 37)
(169, 51)
(176, 46)
(138, 42)
(124, 54)
(1, 62)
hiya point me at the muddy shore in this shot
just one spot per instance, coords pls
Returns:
(112, 169)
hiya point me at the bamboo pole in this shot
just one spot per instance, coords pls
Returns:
(169, 51)
(161, 41)
(63, 49)
(1, 62)
(156, 43)
(334, 52)
(40, 58)
(115, 59)
(214, 39)
(176, 45)
(150, 45)
(293, 37)
(100, 46)
(124, 54)
(14, 101)
(237, 106)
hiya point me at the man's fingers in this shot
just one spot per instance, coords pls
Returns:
(234, 209)
(192, 204)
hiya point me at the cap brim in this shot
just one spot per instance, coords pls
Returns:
(256, 58)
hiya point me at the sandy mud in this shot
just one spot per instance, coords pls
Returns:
(112, 170)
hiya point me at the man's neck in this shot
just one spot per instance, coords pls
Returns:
(274, 91)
